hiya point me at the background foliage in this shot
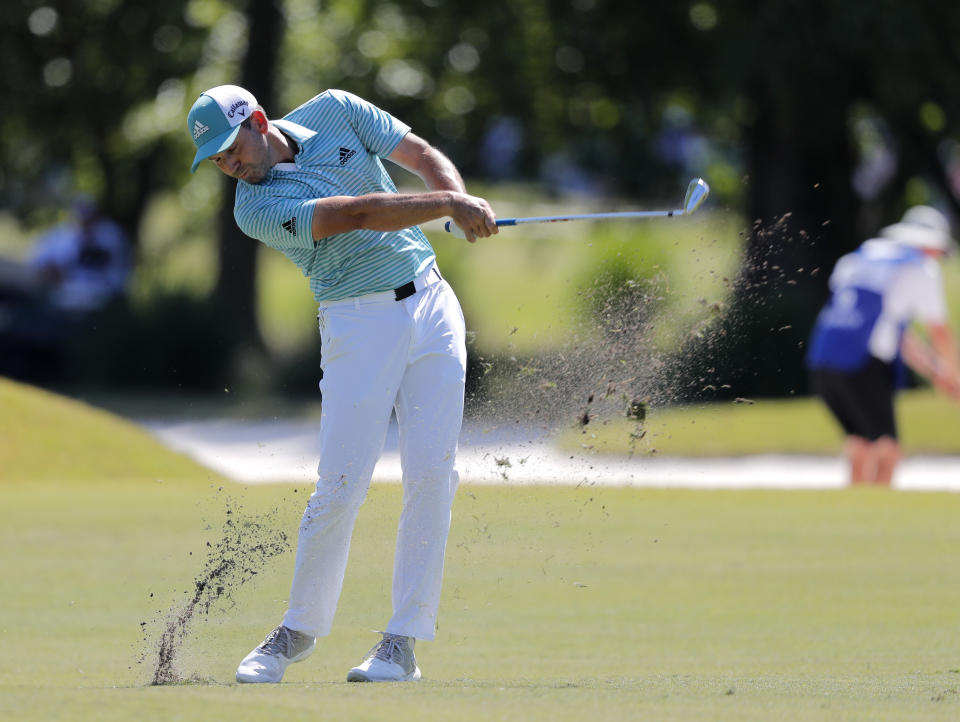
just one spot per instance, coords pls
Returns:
(815, 122)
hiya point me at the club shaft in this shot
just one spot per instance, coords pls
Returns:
(588, 216)
(449, 226)
(697, 191)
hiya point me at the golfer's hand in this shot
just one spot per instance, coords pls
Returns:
(474, 216)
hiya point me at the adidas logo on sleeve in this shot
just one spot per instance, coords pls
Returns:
(346, 154)
(290, 226)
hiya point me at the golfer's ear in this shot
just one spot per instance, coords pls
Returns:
(259, 121)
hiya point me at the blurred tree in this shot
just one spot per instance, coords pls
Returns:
(73, 72)
(101, 89)
(235, 291)
(801, 76)
(822, 120)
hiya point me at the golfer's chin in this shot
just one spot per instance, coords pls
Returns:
(251, 175)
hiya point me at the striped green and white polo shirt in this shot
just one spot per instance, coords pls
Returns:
(342, 139)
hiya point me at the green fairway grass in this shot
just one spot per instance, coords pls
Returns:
(559, 603)
(44, 436)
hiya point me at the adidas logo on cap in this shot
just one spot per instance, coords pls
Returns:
(199, 129)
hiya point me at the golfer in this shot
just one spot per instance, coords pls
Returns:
(861, 338)
(312, 186)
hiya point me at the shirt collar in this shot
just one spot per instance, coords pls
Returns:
(296, 131)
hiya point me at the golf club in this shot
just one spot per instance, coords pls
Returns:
(697, 191)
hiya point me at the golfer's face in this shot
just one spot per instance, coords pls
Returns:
(246, 159)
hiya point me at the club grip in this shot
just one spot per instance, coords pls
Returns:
(451, 227)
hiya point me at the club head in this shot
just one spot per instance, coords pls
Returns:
(697, 193)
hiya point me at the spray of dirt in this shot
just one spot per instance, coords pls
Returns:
(610, 365)
(246, 545)
(615, 363)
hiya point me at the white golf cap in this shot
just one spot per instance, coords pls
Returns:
(921, 227)
(214, 120)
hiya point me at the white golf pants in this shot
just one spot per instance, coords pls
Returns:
(380, 354)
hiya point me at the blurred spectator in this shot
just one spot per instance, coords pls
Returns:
(85, 262)
(75, 270)
(562, 175)
(678, 142)
(861, 339)
(500, 149)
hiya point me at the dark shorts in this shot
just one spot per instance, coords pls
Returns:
(862, 401)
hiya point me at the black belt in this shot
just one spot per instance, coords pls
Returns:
(405, 291)
(410, 288)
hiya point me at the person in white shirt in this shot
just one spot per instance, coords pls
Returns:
(862, 337)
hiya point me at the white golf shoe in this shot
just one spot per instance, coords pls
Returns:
(269, 661)
(390, 660)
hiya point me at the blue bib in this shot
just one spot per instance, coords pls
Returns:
(841, 336)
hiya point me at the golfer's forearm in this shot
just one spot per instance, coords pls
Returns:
(379, 212)
(437, 172)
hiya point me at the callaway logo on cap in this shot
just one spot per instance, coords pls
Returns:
(214, 120)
